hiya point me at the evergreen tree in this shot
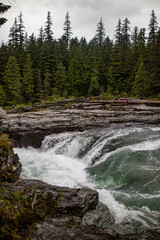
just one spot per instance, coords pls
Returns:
(14, 38)
(94, 87)
(77, 84)
(2, 96)
(142, 37)
(100, 33)
(21, 30)
(28, 86)
(83, 43)
(12, 82)
(153, 27)
(117, 66)
(141, 83)
(67, 30)
(134, 36)
(126, 33)
(46, 85)
(26, 41)
(60, 78)
(118, 35)
(40, 39)
(3, 9)
(48, 34)
(4, 56)
(39, 90)
(33, 50)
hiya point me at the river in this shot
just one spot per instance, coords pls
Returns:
(122, 164)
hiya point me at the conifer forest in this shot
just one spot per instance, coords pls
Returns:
(41, 68)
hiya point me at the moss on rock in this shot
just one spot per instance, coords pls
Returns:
(10, 167)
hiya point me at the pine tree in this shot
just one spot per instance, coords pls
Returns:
(3, 9)
(39, 90)
(2, 96)
(67, 30)
(46, 85)
(118, 35)
(4, 56)
(33, 50)
(40, 39)
(142, 37)
(28, 86)
(94, 87)
(21, 30)
(153, 27)
(12, 82)
(134, 36)
(48, 34)
(141, 83)
(100, 33)
(60, 78)
(126, 33)
(77, 84)
(14, 38)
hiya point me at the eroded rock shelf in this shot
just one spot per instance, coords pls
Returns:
(29, 128)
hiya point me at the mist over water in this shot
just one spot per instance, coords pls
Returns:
(122, 164)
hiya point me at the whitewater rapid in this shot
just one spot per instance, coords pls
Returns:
(123, 165)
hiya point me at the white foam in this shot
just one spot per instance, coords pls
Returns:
(118, 210)
(52, 168)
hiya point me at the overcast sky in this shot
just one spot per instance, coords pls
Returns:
(84, 15)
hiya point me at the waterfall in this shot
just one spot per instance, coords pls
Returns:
(122, 164)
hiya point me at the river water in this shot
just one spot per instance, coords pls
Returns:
(122, 164)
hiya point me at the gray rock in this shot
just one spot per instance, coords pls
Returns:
(29, 128)
(2, 113)
(64, 228)
(10, 167)
(41, 211)
(99, 217)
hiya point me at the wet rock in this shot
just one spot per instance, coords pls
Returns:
(26, 202)
(10, 167)
(29, 128)
(64, 228)
(99, 217)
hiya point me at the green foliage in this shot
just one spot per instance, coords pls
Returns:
(141, 83)
(3, 8)
(94, 84)
(2, 96)
(28, 87)
(46, 85)
(4, 143)
(12, 82)
(47, 31)
(41, 69)
(60, 78)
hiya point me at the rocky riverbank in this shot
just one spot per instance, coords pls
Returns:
(28, 126)
(34, 210)
(31, 209)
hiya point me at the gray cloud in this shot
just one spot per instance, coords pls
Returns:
(84, 15)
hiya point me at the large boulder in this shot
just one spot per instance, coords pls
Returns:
(10, 167)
